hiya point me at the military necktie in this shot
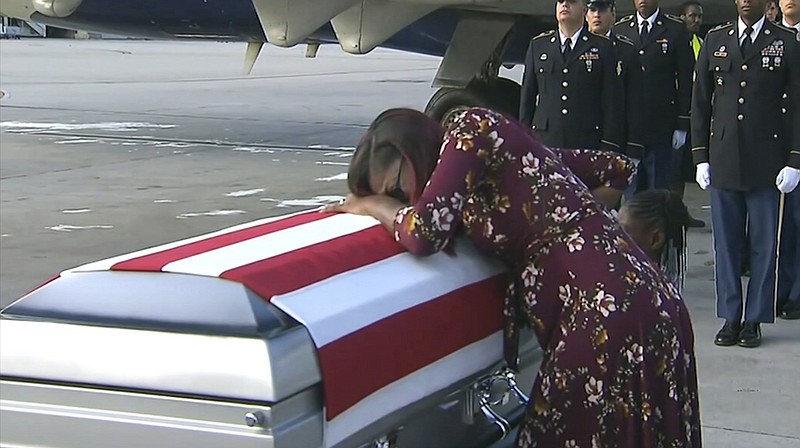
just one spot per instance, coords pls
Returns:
(567, 49)
(645, 31)
(746, 42)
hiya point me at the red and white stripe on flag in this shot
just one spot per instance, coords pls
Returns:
(390, 328)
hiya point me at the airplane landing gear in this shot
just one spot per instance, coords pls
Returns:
(469, 74)
(501, 94)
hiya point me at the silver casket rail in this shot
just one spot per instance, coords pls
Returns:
(305, 330)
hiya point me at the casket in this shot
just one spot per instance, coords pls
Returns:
(305, 330)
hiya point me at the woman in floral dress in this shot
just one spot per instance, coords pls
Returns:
(618, 367)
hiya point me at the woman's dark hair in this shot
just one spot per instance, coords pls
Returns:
(396, 133)
(664, 210)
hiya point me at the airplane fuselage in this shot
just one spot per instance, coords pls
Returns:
(236, 20)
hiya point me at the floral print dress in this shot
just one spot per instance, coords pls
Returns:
(618, 367)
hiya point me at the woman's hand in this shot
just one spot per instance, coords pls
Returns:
(381, 207)
(357, 205)
(608, 196)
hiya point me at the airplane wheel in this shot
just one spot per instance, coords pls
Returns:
(500, 94)
(505, 94)
(447, 103)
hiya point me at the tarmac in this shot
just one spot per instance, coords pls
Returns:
(111, 146)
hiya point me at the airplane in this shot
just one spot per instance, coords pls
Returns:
(474, 38)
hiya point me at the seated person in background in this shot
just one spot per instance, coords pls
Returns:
(657, 221)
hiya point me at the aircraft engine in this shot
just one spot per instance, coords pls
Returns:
(56, 8)
(288, 22)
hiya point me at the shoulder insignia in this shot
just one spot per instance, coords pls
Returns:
(625, 39)
(624, 19)
(546, 33)
(674, 18)
(724, 26)
(601, 36)
(780, 26)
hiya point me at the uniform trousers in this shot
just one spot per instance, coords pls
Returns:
(731, 230)
(789, 276)
(682, 169)
(655, 171)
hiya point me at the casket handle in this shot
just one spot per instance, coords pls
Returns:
(484, 390)
(495, 418)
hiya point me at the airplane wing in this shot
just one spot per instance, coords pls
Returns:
(473, 37)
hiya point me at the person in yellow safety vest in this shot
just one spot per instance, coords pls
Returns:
(682, 169)
(692, 16)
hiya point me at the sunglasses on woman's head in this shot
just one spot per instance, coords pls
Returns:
(397, 192)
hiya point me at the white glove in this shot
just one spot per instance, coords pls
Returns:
(787, 179)
(703, 175)
(678, 139)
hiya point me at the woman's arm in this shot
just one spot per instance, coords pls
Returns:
(598, 168)
(606, 174)
(428, 225)
(468, 145)
(381, 207)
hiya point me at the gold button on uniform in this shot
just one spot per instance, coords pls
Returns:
(563, 97)
(743, 83)
(566, 70)
(740, 117)
(741, 100)
(564, 111)
(744, 67)
(565, 84)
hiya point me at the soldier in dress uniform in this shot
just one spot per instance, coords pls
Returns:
(600, 18)
(565, 69)
(790, 10)
(682, 166)
(789, 277)
(744, 147)
(665, 54)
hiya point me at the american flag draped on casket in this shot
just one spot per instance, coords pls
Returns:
(390, 328)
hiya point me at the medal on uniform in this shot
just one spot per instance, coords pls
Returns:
(719, 81)
(588, 65)
(765, 62)
(543, 57)
(777, 61)
(664, 45)
(721, 53)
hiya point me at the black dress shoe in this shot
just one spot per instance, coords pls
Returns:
(728, 334)
(790, 310)
(750, 336)
(695, 223)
